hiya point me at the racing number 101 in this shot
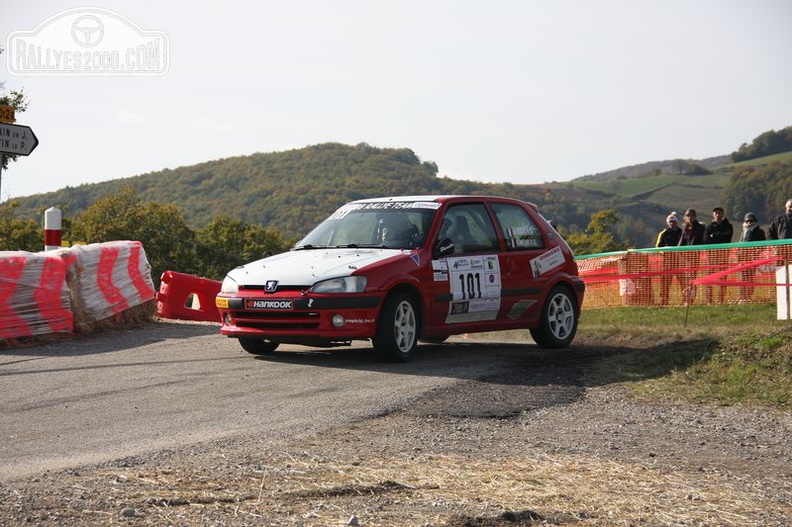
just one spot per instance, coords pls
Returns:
(471, 285)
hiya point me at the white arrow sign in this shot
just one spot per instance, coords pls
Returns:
(17, 140)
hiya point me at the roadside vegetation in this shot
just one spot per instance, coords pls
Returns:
(723, 355)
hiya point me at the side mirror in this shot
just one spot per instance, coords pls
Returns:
(443, 247)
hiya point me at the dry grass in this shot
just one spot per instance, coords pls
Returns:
(308, 488)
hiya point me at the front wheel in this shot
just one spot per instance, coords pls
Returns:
(258, 346)
(559, 320)
(397, 328)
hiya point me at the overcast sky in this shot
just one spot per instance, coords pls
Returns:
(517, 91)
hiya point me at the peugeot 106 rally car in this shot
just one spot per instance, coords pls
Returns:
(402, 269)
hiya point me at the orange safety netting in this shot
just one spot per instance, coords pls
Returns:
(673, 276)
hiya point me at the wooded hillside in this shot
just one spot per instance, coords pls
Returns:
(293, 190)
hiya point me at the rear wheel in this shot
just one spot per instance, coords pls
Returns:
(559, 320)
(397, 328)
(258, 346)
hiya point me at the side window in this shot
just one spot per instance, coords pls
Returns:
(519, 231)
(470, 228)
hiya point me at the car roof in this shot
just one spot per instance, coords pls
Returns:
(445, 198)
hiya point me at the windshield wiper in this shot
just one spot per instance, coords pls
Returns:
(363, 246)
(308, 247)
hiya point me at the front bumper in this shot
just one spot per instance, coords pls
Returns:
(296, 319)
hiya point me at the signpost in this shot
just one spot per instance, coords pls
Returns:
(7, 114)
(15, 140)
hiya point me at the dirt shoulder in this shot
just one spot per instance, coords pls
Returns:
(544, 444)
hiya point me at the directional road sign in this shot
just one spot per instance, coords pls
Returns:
(17, 140)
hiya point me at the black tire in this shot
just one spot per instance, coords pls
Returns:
(559, 320)
(434, 340)
(397, 328)
(258, 346)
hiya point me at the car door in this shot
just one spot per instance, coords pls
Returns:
(525, 262)
(467, 284)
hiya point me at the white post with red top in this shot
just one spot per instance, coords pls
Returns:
(52, 229)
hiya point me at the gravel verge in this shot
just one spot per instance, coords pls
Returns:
(539, 445)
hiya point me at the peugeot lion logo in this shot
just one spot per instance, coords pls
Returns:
(270, 286)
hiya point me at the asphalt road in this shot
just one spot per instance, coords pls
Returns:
(93, 398)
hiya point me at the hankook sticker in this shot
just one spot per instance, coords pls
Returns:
(275, 305)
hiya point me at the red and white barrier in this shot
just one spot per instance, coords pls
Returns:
(187, 297)
(34, 297)
(52, 229)
(107, 278)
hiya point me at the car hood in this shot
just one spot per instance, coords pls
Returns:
(306, 267)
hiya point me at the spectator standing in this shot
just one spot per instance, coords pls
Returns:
(720, 230)
(781, 228)
(692, 230)
(669, 237)
(692, 234)
(751, 232)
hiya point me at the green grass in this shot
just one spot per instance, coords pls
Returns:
(725, 355)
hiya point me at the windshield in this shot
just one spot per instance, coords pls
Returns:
(392, 225)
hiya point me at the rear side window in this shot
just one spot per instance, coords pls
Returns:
(519, 231)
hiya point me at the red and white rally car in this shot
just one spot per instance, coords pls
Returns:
(402, 269)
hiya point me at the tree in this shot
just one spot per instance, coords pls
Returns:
(17, 234)
(765, 144)
(225, 243)
(167, 240)
(17, 100)
(598, 237)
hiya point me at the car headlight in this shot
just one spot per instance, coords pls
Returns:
(229, 286)
(347, 284)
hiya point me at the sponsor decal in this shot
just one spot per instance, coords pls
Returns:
(440, 276)
(547, 261)
(519, 308)
(475, 284)
(343, 211)
(460, 308)
(416, 258)
(439, 265)
(425, 205)
(274, 305)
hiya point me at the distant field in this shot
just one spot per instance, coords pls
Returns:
(672, 191)
(630, 187)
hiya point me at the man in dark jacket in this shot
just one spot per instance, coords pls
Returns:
(718, 231)
(781, 228)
